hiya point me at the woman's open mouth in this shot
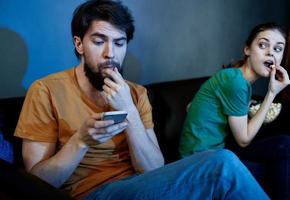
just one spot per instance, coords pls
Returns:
(268, 63)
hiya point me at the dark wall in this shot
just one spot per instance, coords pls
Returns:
(173, 39)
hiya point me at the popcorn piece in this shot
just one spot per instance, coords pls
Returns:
(272, 113)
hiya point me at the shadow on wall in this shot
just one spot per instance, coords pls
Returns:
(132, 68)
(14, 62)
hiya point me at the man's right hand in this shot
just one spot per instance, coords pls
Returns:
(96, 131)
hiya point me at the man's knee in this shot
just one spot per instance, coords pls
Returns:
(226, 157)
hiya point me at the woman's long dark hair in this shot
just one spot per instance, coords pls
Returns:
(253, 34)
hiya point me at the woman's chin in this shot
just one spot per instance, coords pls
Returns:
(266, 73)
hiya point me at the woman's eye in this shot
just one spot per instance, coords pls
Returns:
(278, 49)
(263, 45)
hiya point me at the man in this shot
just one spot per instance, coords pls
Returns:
(68, 144)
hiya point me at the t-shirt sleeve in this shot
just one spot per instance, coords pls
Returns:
(144, 107)
(37, 121)
(234, 96)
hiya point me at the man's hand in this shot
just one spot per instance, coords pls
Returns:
(96, 131)
(116, 91)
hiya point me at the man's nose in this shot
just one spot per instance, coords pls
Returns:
(109, 51)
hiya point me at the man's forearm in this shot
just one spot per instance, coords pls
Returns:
(58, 168)
(145, 152)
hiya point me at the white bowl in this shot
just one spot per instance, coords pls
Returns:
(272, 114)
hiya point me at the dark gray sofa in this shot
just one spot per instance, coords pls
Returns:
(169, 101)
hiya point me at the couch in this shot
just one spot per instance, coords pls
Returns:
(169, 101)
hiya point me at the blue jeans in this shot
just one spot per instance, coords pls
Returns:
(214, 174)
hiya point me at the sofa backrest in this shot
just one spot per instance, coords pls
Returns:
(169, 101)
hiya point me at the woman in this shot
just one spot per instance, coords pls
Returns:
(221, 105)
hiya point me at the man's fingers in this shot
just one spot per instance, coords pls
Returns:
(99, 123)
(118, 131)
(107, 133)
(109, 91)
(115, 75)
(97, 116)
(112, 128)
(111, 83)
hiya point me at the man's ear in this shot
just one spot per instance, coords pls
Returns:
(247, 51)
(78, 45)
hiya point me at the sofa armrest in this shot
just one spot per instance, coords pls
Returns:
(10, 109)
(15, 183)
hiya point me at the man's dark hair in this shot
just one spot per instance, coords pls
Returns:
(113, 12)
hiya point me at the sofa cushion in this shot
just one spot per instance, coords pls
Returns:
(16, 183)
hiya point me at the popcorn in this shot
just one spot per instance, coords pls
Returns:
(272, 113)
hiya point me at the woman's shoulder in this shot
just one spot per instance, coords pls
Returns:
(230, 74)
(232, 77)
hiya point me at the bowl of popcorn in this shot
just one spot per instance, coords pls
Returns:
(272, 113)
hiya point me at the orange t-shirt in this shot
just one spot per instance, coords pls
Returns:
(55, 108)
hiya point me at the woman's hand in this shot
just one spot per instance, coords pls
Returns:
(279, 79)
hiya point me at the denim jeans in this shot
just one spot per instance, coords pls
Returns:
(274, 154)
(214, 174)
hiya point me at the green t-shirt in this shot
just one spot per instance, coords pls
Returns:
(225, 94)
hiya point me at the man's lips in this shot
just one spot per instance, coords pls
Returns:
(109, 64)
(111, 67)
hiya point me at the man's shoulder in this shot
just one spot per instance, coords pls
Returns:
(54, 80)
(137, 91)
(135, 86)
(65, 74)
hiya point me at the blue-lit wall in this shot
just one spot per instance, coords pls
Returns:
(174, 39)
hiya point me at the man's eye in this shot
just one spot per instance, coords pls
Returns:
(278, 49)
(98, 43)
(119, 44)
(263, 45)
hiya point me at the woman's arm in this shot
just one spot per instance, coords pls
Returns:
(245, 130)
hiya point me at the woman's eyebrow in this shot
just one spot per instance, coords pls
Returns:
(263, 38)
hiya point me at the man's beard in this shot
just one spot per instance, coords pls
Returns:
(96, 78)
